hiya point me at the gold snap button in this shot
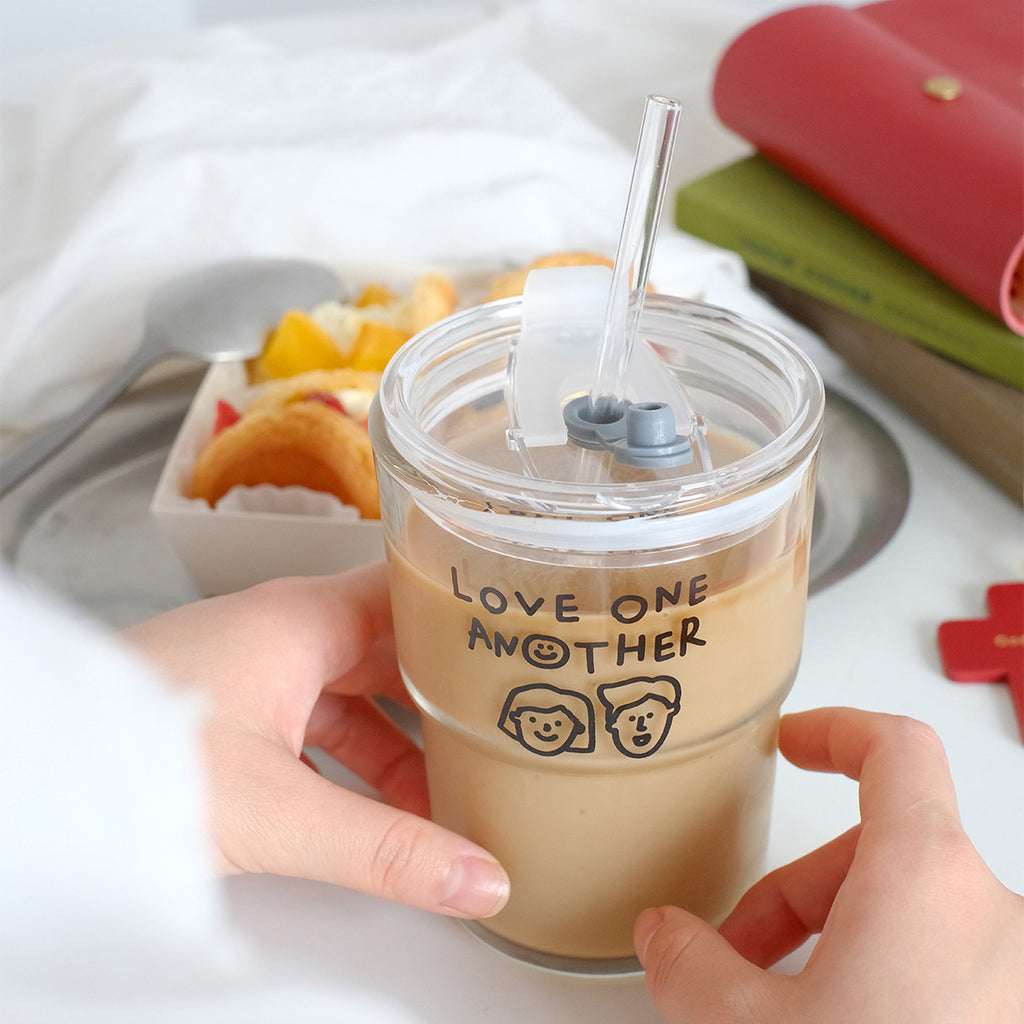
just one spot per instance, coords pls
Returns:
(943, 87)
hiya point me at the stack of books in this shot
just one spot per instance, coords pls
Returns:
(864, 216)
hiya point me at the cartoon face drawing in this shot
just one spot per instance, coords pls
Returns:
(548, 720)
(546, 730)
(641, 725)
(639, 712)
(545, 651)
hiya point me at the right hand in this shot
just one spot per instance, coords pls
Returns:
(296, 662)
(913, 925)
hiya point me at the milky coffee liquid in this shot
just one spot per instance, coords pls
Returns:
(607, 730)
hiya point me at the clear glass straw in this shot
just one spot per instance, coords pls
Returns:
(634, 253)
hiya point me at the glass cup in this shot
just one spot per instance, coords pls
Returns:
(600, 666)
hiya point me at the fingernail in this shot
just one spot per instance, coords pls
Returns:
(476, 888)
(643, 931)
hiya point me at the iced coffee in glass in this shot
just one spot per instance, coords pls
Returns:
(600, 649)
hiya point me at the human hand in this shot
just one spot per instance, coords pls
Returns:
(914, 926)
(296, 662)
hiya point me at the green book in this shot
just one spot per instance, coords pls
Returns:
(788, 232)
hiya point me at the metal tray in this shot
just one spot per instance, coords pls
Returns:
(82, 526)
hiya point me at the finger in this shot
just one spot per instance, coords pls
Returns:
(694, 975)
(376, 674)
(291, 821)
(790, 904)
(308, 630)
(347, 616)
(359, 735)
(900, 762)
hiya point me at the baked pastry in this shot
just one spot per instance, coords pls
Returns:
(362, 335)
(308, 430)
(505, 285)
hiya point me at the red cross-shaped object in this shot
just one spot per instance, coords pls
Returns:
(990, 650)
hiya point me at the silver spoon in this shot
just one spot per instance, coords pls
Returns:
(215, 314)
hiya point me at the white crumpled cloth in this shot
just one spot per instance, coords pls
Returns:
(458, 135)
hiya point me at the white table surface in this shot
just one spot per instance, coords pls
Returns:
(870, 642)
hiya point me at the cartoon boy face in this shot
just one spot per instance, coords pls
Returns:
(548, 720)
(639, 711)
(639, 729)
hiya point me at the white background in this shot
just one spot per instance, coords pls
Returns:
(43, 26)
(29, 29)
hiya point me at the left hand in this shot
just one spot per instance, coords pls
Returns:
(912, 924)
(297, 662)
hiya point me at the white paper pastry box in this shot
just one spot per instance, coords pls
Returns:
(254, 534)
(262, 533)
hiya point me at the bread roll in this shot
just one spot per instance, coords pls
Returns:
(294, 434)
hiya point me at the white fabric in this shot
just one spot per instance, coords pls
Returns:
(110, 911)
(507, 133)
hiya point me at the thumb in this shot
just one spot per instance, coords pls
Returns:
(694, 975)
(292, 821)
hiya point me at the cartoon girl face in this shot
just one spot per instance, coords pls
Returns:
(546, 730)
(547, 720)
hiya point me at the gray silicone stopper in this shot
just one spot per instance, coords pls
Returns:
(651, 439)
(641, 434)
(591, 433)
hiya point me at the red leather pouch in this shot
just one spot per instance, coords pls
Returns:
(908, 114)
